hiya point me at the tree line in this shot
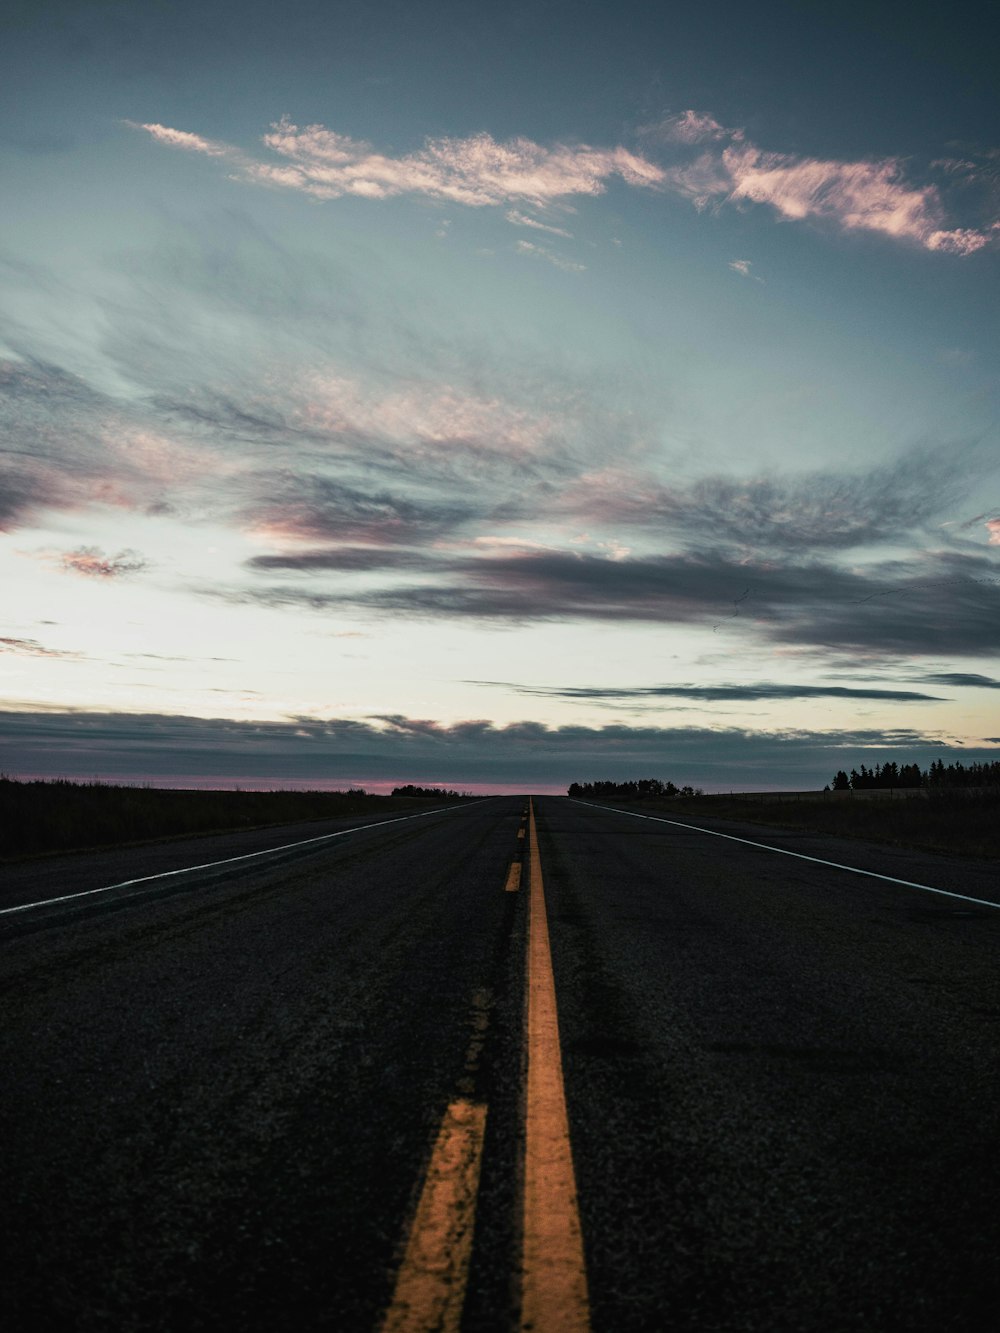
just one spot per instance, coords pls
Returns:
(935, 778)
(437, 793)
(634, 790)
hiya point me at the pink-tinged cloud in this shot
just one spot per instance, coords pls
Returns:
(92, 562)
(865, 196)
(993, 528)
(869, 196)
(961, 241)
(478, 171)
(433, 416)
(194, 143)
(691, 127)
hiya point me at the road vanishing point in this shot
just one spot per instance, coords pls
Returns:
(515, 1064)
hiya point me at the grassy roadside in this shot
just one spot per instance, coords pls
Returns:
(954, 822)
(44, 817)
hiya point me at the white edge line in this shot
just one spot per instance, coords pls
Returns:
(229, 860)
(783, 851)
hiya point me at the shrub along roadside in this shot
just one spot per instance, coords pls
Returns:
(61, 816)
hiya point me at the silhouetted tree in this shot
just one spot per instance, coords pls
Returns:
(631, 790)
(937, 777)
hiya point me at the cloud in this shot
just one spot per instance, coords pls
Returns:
(32, 648)
(92, 562)
(944, 603)
(314, 507)
(336, 752)
(993, 527)
(342, 559)
(690, 127)
(816, 510)
(962, 679)
(432, 415)
(522, 220)
(67, 446)
(873, 196)
(338, 468)
(715, 693)
(477, 171)
(540, 252)
(193, 143)
(34, 404)
(742, 267)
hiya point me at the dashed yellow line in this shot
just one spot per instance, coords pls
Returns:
(554, 1295)
(430, 1286)
(513, 877)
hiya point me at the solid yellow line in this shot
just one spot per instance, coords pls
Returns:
(430, 1285)
(553, 1274)
(513, 877)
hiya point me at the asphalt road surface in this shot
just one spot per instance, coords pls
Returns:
(343, 1085)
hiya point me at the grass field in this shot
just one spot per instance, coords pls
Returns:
(38, 817)
(958, 822)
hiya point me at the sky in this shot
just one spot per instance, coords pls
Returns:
(497, 398)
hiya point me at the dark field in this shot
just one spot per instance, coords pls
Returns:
(38, 817)
(962, 823)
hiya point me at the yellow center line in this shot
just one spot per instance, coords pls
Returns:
(553, 1274)
(430, 1285)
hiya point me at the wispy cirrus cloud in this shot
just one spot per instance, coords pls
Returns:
(873, 196)
(192, 143)
(541, 252)
(477, 171)
(690, 127)
(422, 414)
(815, 510)
(66, 445)
(519, 219)
(299, 506)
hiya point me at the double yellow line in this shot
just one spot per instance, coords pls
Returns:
(430, 1285)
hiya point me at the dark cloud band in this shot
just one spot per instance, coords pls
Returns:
(207, 751)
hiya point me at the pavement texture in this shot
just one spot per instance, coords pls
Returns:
(221, 1090)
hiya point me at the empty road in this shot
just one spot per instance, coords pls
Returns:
(486, 1069)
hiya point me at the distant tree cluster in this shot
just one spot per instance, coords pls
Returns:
(937, 777)
(634, 790)
(436, 792)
